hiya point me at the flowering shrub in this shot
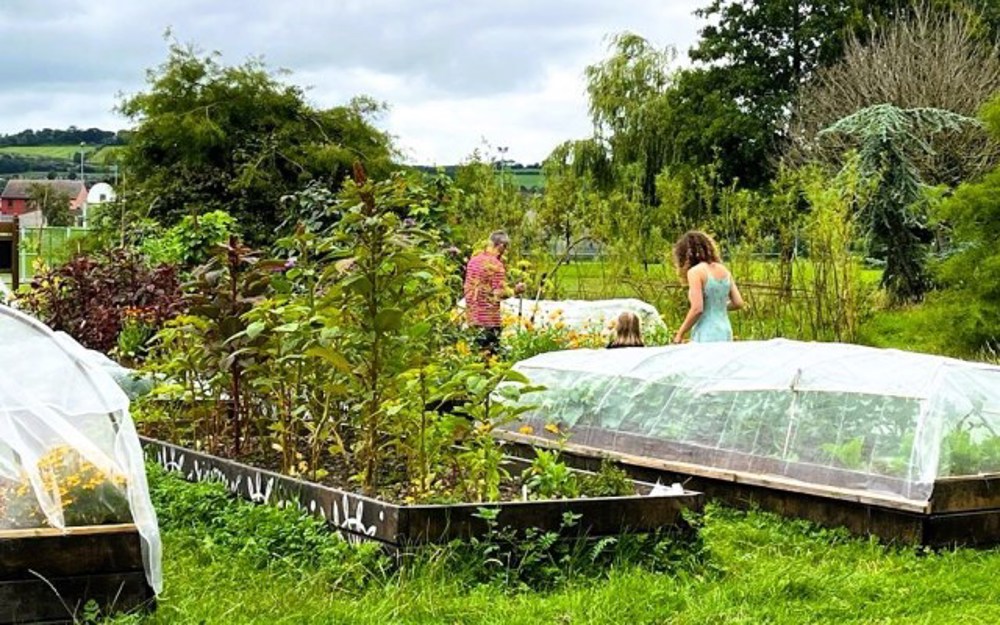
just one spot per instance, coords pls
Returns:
(88, 297)
(86, 494)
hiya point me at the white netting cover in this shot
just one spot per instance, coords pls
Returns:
(884, 421)
(69, 452)
(581, 315)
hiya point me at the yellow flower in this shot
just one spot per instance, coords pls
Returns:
(552, 428)
(526, 429)
(462, 348)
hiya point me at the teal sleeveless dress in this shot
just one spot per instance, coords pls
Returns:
(713, 325)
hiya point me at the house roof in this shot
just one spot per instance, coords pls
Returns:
(21, 189)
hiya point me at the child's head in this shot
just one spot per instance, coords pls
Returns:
(692, 248)
(628, 331)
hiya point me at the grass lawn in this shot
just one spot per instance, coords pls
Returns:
(763, 570)
(528, 178)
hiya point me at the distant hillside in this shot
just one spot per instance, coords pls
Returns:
(65, 152)
(63, 137)
(528, 177)
(55, 152)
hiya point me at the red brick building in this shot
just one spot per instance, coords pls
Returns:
(14, 199)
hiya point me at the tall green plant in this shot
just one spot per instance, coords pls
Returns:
(895, 215)
(221, 292)
(391, 282)
(969, 303)
(297, 364)
(835, 308)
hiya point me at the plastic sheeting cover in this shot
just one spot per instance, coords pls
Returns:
(580, 315)
(848, 416)
(69, 452)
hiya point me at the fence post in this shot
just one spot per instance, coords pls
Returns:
(15, 255)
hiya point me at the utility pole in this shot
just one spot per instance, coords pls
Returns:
(503, 163)
(83, 145)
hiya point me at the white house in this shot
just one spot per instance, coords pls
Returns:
(100, 193)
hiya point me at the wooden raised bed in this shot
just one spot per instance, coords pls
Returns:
(366, 518)
(961, 510)
(48, 576)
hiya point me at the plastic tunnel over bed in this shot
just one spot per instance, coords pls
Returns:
(884, 421)
(69, 453)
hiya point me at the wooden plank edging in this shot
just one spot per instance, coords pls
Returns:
(741, 477)
(80, 530)
(366, 518)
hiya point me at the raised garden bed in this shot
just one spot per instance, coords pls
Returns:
(367, 518)
(48, 576)
(962, 510)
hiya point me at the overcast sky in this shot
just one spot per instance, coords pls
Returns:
(454, 72)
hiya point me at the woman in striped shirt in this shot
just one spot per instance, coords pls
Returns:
(485, 288)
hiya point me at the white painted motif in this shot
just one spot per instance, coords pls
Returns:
(352, 523)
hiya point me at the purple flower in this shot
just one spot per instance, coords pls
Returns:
(289, 263)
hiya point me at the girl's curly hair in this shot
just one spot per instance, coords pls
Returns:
(692, 248)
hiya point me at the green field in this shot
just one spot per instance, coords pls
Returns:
(528, 178)
(66, 152)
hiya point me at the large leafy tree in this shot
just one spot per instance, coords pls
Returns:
(52, 202)
(755, 55)
(630, 109)
(237, 138)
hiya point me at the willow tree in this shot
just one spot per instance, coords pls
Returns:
(628, 105)
(574, 172)
(889, 140)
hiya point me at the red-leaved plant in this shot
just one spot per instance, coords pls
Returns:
(89, 296)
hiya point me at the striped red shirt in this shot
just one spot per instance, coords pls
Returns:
(485, 278)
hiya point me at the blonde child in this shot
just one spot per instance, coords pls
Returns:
(628, 331)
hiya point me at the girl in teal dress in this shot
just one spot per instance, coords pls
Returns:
(712, 291)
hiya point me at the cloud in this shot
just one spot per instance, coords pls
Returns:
(452, 71)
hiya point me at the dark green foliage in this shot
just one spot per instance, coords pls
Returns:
(758, 54)
(969, 303)
(540, 560)
(53, 203)
(68, 136)
(236, 138)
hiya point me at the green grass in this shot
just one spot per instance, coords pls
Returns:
(764, 570)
